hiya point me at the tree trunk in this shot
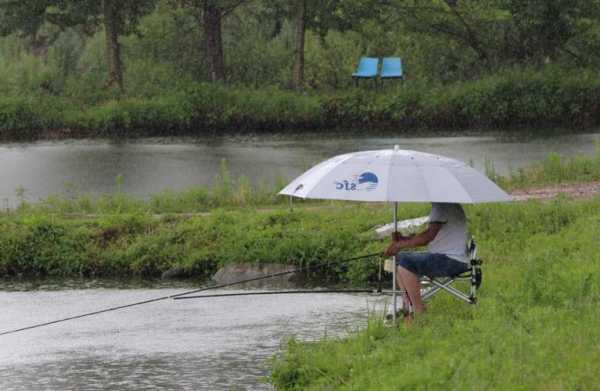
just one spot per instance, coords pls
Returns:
(300, 22)
(471, 39)
(214, 44)
(113, 48)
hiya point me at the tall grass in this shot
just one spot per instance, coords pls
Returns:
(226, 192)
(233, 193)
(532, 329)
(554, 169)
(517, 97)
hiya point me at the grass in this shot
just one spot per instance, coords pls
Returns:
(233, 193)
(38, 244)
(554, 169)
(517, 97)
(536, 325)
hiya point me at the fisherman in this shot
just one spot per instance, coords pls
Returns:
(446, 256)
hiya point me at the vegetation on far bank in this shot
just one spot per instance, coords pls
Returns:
(159, 67)
(518, 97)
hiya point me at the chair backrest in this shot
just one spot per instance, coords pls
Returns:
(367, 67)
(472, 249)
(391, 67)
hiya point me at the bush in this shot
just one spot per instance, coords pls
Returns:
(516, 97)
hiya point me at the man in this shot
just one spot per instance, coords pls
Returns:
(446, 240)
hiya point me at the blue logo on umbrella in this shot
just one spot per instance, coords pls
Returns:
(367, 181)
(370, 179)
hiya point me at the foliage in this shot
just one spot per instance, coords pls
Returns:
(467, 64)
(36, 244)
(533, 325)
(554, 169)
(514, 98)
(440, 41)
(268, 235)
(229, 193)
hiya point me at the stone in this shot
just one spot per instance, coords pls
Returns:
(176, 272)
(244, 271)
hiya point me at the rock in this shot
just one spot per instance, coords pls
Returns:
(176, 272)
(244, 271)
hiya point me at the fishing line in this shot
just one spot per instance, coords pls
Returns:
(180, 295)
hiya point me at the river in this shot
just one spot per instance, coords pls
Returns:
(197, 344)
(204, 344)
(149, 166)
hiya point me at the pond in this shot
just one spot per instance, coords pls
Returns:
(149, 166)
(197, 344)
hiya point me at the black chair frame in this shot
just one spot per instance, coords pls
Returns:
(430, 286)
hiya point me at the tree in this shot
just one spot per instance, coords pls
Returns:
(501, 31)
(210, 15)
(23, 16)
(117, 17)
(300, 33)
(319, 16)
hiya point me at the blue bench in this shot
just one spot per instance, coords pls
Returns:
(367, 69)
(392, 68)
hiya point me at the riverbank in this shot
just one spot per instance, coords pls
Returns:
(201, 230)
(36, 244)
(533, 327)
(550, 98)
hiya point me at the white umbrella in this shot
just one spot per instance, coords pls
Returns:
(395, 175)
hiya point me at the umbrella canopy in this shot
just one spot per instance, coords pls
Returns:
(395, 175)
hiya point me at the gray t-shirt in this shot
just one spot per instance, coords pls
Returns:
(451, 239)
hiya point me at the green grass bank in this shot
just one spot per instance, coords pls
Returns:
(521, 97)
(536, 325)
(202, 229)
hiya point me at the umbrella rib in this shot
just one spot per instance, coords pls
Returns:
(389, 182)
(325, 173)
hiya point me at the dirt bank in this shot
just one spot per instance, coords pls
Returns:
(573, 190)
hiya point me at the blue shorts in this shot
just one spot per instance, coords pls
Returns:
(431, 265)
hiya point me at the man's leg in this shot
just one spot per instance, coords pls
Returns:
(411, 284)
(400, 284)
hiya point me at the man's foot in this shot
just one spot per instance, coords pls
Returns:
(408, 319)
(419, 310)
(401, 313)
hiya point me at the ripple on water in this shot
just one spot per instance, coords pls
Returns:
(211, 344)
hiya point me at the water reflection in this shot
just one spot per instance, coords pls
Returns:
(152, 165)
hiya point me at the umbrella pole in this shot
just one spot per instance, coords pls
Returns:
(394, 266)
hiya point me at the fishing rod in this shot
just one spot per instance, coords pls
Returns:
(186, 293)
(287, 292)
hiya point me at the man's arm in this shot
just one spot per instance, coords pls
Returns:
(417, 240)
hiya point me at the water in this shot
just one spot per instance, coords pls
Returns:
(197, 344)
(212, 344)
(152, 165)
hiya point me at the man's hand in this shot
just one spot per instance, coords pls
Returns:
(397, 236)
(393, 248)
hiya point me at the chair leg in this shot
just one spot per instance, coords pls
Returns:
(446, 286)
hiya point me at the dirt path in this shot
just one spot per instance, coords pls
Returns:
(574, 190)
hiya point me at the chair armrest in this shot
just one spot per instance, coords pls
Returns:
(405, 225)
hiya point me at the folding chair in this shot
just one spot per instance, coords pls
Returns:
(431, 286)
(367, 69)
(391, 68)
